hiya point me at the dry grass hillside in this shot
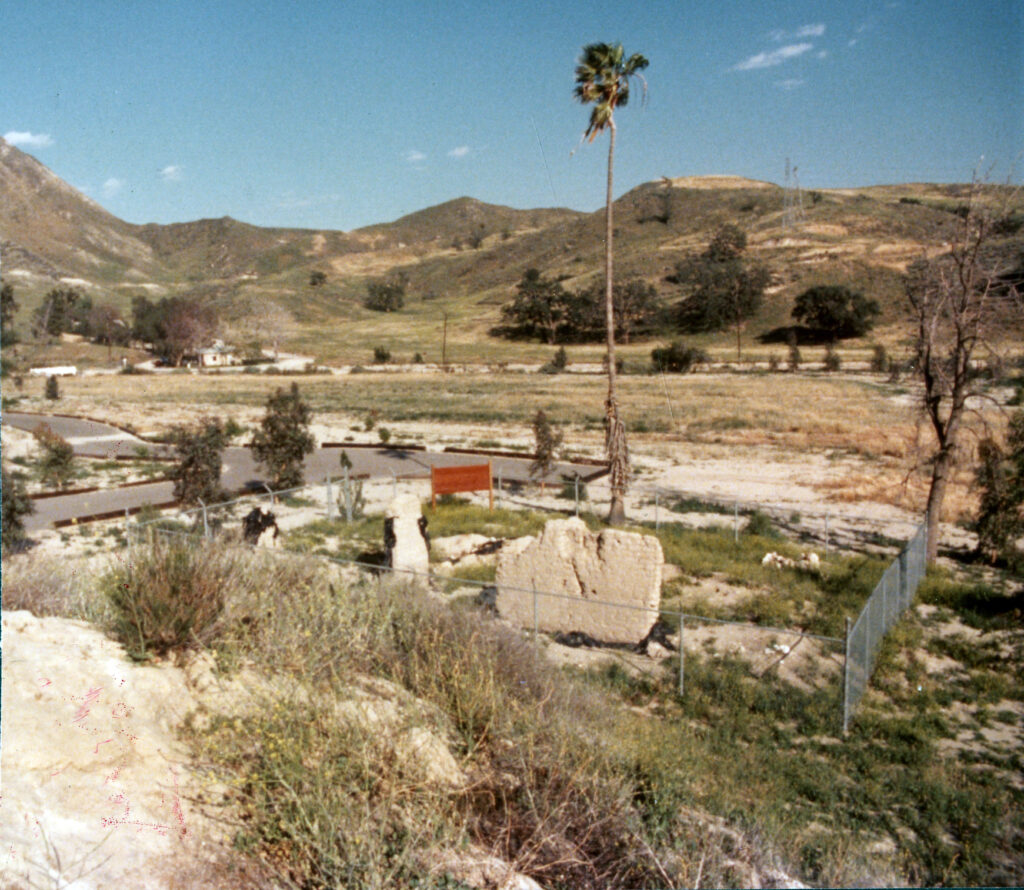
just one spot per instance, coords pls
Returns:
(462, 259)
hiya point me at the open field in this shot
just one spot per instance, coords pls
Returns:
(865, 428)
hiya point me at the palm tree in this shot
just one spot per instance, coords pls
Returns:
(602, 77)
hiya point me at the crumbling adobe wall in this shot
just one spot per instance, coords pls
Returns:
(586, 571)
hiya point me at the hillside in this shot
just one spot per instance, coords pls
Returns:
(462, 258)
(49, 230)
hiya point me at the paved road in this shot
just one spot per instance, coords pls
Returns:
(89, 438)
(93, 439)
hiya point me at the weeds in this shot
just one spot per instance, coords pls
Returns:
(168, 595)
(44, 586)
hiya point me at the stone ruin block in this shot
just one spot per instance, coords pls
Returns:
(585, 570)
(405, 535)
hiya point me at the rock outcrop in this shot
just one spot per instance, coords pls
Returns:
(96, 785)
(607, 586)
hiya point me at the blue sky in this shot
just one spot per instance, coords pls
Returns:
(340, 114)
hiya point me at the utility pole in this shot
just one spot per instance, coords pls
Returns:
(792, 200)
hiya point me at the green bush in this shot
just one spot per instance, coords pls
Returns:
(198, 452)
(760, 524)
(283, 439)
(677, 358)
(559, 362)
(52, 388)
(16, 505)
(56, 463)
(836, 311)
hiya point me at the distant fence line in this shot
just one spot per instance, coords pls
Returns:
(733, 509)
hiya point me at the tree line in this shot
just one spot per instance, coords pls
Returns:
(173, 326)
(719, 288)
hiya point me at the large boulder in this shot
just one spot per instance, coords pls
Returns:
(607, 585)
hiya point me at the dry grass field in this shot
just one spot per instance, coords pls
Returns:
(867, 428)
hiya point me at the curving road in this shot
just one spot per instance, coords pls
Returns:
(91, 438)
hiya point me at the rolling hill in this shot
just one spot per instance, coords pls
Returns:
(461, 259)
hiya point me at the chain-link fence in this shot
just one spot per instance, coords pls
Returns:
(887, 603)
(339, 498)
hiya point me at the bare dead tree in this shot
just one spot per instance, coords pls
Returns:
(965, 307)
(265, 321)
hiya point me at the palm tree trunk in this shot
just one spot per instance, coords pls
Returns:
(618, 454)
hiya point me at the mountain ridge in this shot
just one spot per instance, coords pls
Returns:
(464, 256)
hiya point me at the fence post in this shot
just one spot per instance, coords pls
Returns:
(736, 521)
(657, 518)
(827, 513)
(536, 640)
(682, 652)
(330, 499)
(846, 678)
(206, 527)
(904, 580)
(885, 601)
(576, 482)
(867, 638)
(500, 485)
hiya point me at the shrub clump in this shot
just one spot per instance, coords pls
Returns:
(169, 595)
(56, 464)
(559, 362)
(16, 506)
(283, 439)
(199, 454)
(677, 358)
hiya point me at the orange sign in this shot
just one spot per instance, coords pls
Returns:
(448, 480)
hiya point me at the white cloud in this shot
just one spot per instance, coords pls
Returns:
(32, 140)
(777, 35)
(790, 84)
(459, 152)
(171, 173)
(112, 186)
(821, 54)
(415, 157)
(775, 57)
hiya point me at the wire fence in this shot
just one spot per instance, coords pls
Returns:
(891, 597)
(534, 600)
(859, 648)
